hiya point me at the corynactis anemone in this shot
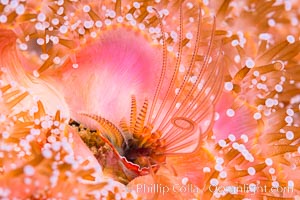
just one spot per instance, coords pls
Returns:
(149, 99)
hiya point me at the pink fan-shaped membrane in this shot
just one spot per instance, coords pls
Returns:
(119, 64)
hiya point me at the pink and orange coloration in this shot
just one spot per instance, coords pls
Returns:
(100, 97)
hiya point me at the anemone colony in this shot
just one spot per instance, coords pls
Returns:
(125, 99)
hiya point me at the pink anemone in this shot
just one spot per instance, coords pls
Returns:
(152, 99)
